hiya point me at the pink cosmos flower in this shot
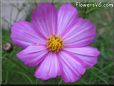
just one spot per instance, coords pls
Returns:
(56, 42)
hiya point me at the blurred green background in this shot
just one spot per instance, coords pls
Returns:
(15, 72)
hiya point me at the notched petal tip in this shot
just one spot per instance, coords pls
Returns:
(97, 52)
(19, 55)
(69, 6)
(42, 8)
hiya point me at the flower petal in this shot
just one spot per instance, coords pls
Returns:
(67, 14)
(88, 55)
(72, 68)
(23, 35)
(44, 18)
(49, 68)
(81, 34)
(32, 55)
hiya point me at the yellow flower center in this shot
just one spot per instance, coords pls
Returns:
(55, 43)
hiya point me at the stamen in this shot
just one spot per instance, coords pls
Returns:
(54, 43)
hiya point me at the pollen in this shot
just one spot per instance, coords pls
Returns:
(55, 43)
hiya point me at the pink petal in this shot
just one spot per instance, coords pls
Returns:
(32, 55)
(49, 68)
(44, 18)
(81, 34)
(67, 15)
(87, 55)
(72, 68)
(22, 34)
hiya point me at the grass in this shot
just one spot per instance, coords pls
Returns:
(15, 72)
